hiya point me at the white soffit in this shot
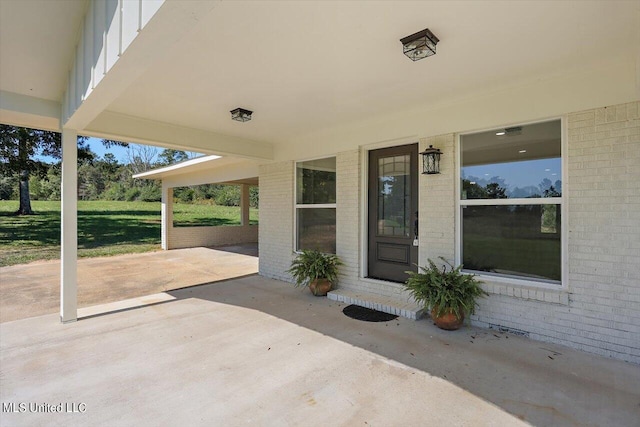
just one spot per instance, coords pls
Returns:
(305, 66)
(37, 44)
(189, 166)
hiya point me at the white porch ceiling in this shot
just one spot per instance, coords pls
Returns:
(37, 43)
(306, 66)
(302, 66)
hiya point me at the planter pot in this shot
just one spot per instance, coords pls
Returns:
(320, 287)
(448, 321)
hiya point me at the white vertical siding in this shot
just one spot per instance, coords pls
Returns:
(108, 29)
(113, 33)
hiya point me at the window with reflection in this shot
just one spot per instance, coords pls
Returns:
(316, 205)
(511, 200)
(394, 196)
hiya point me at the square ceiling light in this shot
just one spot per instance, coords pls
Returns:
(419, 45)
(241, 115)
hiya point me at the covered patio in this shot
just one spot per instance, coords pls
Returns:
(179, 361)
(331, 90)
(109, 279)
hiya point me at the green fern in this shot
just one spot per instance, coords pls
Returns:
(310, 265)
(445, 290)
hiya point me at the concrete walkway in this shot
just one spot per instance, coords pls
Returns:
(33, 289)
(260, 352)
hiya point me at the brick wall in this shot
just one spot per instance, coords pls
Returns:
(437, 203)
(599, 308)
(347, 214)
(189, 237)
(276, 219)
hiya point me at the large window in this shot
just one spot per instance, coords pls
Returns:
(316, 205)
(511, 202)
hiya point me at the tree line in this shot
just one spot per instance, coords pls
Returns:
(25, 177)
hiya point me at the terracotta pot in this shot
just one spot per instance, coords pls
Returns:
(448, 321)
(320, 287)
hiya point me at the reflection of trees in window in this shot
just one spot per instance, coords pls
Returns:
(394, 203)
(495, 188)
(550, 190)
(316, 205)
(492, 190)
(318, 186)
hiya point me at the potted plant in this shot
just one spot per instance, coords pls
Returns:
(448, 293)
(315, 269)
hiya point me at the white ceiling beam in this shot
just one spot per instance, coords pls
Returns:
(114, 69)
(27, 111)
(132, 129)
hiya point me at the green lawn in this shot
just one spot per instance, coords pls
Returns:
(189, 215)
(104, 228)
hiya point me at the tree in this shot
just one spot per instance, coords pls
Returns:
(18, 148)
(494, 191)
(170, 156)
(141, 158)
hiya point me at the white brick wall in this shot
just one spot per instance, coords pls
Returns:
(189, 237)
(437, 203)
(347, 214)
(276, 219)
(598, 311)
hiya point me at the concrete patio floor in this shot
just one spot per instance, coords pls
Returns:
(258, 351)
(33, 289)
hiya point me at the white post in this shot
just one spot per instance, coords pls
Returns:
(244, 204)
(69, 228)
(167, 215)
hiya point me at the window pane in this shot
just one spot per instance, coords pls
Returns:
(317, 229)
(394, 196)
(316, 181)
(517, 240)
(523, 163)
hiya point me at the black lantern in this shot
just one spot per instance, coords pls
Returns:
(419, 45)
(431, 161)
(241, 115)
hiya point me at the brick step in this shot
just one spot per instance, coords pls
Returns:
(378, 302)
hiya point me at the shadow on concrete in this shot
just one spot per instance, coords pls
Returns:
(249, 249)
(541, 383)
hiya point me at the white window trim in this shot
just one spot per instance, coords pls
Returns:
(297, 206)
(562, 201)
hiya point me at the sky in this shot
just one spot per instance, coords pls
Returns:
(95, 144)
(120, 152)
(518, 174)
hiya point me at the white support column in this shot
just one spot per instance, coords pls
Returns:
(167, 214)
(244, 204)
(69, 228)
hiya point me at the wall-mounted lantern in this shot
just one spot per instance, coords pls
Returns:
(241, 115)
(431, 160)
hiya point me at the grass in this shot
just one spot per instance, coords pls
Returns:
(191, 215)
(104, 228)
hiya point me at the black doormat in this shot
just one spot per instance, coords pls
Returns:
(367, 314)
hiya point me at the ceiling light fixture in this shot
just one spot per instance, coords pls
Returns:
(516, 130)
(241, 115)
(522, 151)
(419, 45)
